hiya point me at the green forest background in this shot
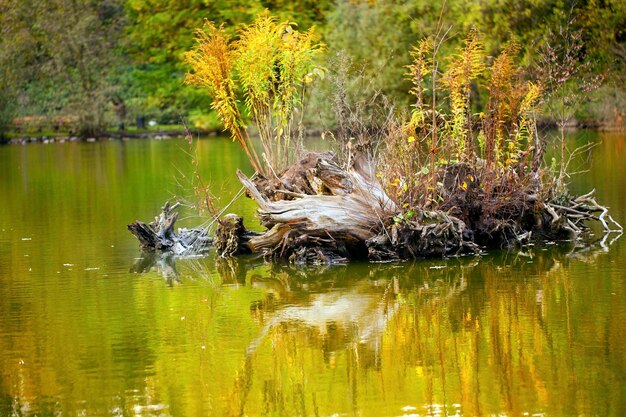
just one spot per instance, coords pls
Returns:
(89, 66)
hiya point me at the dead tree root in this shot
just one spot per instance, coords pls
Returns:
(318, 213)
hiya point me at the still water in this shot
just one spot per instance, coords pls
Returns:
(89, 328)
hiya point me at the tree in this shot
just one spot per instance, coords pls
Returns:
(80, 39)
(16, 46)
(158, 35)
(57, 56)
(376, 36)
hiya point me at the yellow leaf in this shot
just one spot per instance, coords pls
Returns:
(411, 139)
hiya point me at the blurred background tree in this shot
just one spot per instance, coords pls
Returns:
(16, 47)
(97, 64)
(63, 55)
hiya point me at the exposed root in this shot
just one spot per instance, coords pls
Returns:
(581, 209)
(432, 234)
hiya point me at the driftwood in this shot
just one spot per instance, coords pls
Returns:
(317, 212)
(160, 236)
(580, 209)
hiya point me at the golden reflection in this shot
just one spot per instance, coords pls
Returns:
(493, 336)
(538, 331)
(508, 334)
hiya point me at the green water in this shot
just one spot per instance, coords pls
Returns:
(83, 333)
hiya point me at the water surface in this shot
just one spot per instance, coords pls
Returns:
(89, 328)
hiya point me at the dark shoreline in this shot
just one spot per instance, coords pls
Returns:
(123, 136)
(545, 124)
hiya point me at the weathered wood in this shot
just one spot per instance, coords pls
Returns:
(159, 235)
(348, 205)
(348, 215)
(231, 237)
(573, 215)
(317, 212)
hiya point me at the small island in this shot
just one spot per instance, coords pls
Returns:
(437, 179)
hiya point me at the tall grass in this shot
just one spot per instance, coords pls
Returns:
(465, 68)
(498, 144)
(270, 64)
(212, 61)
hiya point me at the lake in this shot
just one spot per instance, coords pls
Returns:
(89, 327)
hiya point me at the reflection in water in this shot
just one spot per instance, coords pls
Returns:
(164, 264)
(476, 336)
(538, 331)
